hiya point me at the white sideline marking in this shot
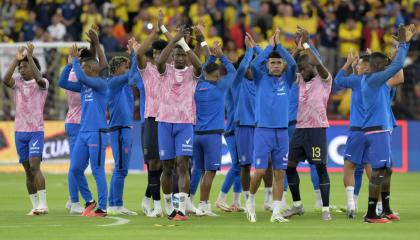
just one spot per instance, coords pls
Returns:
(120, 221)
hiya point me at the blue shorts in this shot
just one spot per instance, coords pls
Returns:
(271, 142)
(175, 139)
(29, 144)
(355, 150)
(208, 151)
(379, 149)
(72, 130)
(245, 144)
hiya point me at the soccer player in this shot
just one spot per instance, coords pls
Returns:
(121, 106)
(233, 175)
(175, 119)
(209, 98)
(354, 153)
(377, 125)
(151, 76)
(30, 92)
(91, 141)
(72, 127)
(309, 139)
(271, 115)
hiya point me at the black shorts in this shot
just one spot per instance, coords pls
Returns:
(150, 139)
(309, 144)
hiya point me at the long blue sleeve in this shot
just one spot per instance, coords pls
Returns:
(257, 50)
(291, 64)
(243, 67)
(210, 59)
(315, 51)
(118, 81)
(65, 83)
(258, 61)
(94, 83)
(350, 81)
(134, 77)
(379, 78)
(226, 82)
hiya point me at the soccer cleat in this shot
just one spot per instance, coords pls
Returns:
(68, 204)
(155, 213)
(250, 214)
(112, 211)
(237, 208)
(326, 216)
(124, 211)
(278, 219)
(377, 219)
(391, 216)
(145, 206)
(76, 208)
(318, 205)
(268, 206)
(41, 211)
(180, 217)
(31, 213)
(222, 205)
(351, 213)
(294, 211)
(97, 213)
(205, 210)
(89, 208)
(172, 215)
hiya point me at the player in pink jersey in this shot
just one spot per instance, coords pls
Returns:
(151, 76)
(176, 118)
(30, 92)
(309, 140)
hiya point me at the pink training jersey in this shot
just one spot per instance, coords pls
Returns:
(73, 100)
(151, 80)
(177, 98)
(313, 99)
(30, 101)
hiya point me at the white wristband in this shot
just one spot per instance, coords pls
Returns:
(183, 44)
(204, 43)
(306, 46)
(163, 29)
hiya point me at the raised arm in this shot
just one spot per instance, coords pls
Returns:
(256, 64)
(244, 65)
(396, 80)
(8, 79)
(405, 34)
(226, 82)
(37, 74)
(65, 83)
(166, 52)
(201, 42)
(322, 70)
(94, 83)
(93, 36)
(162, 27)
(142, 49)
(134, 77)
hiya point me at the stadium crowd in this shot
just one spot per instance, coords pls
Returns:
(335, 26)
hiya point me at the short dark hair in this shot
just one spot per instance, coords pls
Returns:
(365, 57)
(159, 44)
(274, 54)
(36, 61)
(149, 53)
(302, 57)
(86, 53)
(211, 67)
(378, 57)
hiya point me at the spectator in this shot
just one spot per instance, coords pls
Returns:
(109, 42)
(57, 30)
(89, 18)
(349, 35)
(133, 7)
(44, 12)
(328, 29)
(8, 10)
(28, 29)
(21, 15)
(237, 32)
(345, 10)
(373, 36)
(264, 18)
(70, 13)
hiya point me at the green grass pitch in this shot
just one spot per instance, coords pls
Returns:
(58, 224)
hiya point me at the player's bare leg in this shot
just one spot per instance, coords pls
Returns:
(182, 168)
(278, 188)
(385, 195)
(348, 179)
(205, 189)
(30, 185)
(166, 180)
(255, 184)
(268, 190)
(39, 182)
(375, 182)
